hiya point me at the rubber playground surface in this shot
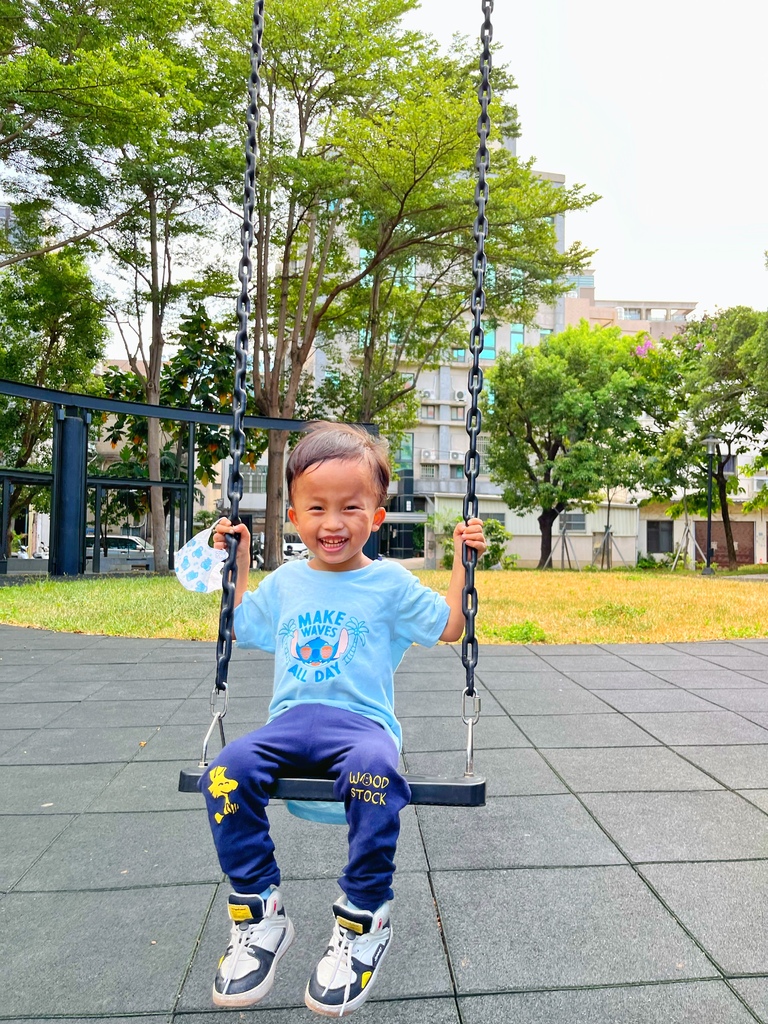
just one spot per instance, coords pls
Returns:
(617, 875)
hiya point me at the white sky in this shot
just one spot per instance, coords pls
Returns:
(660, 107)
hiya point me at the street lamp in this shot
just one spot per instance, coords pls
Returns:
(711, 443)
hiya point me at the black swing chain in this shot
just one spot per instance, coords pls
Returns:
(239, 396)
(476, 342)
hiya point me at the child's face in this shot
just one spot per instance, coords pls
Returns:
(335, 511)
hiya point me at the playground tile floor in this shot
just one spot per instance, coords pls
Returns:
(617, 875)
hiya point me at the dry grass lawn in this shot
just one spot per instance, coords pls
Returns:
(513, 607)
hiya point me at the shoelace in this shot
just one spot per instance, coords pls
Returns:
(344, 941)
(239, 943)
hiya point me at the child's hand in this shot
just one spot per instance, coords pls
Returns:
(472, 535)
(223, 528)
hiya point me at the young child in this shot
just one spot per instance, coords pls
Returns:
(339, 626)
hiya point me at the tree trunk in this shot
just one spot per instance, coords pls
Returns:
(546, 522)
(156, 504)
(727, 527)
(275, 512)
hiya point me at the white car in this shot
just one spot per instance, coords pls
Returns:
(121, 547)
(294, 547)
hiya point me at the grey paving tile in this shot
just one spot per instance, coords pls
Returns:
(49, 690)
(711, 679)
(629, 680)
(72, 671)
(510, 832)
(561, 927)
(439, 702)
(654, 700)
(513, 666)
(91, 1020)
(415, 965)
(412, 1011)
(36, 714)
(147, 786)
(682, 826)
(52, 789)
(628, 769)
(26, 656)
(598, 663)
(147, 689)
(610, 730)
(24, 839)
(705, 1002)
(737, 700)
(177, 742)
(591, 651)
(19, 672)
(167, 672)
(724, 905)
(551, 702)
(68, 939)
(759, 797)
(249, 711)
(706, 649)
(452, 679)
(307, 849)
(238, 688)
(739, 767)
(623, 650)
(10, 738)
(758, 645)
(78, 746)
(700, 728)
(449, 733)
(112, 851)
(758, 717)
(672, 661)
(547, 680)
(740, 663)
(108, 714)
(507, 772)
(755, 991)
(39, 640)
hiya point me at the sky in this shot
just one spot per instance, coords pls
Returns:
(660, 108)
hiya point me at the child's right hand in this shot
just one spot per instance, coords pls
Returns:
(225, 527)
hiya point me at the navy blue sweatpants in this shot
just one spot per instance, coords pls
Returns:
(319, 740)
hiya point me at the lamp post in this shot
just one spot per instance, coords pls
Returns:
(711, 443)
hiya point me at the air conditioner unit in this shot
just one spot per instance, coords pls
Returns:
(426, 393)
(427, 455)
(455, 456)
(460, 395)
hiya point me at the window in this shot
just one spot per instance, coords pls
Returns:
(457, 412)
(574, 522)
(489, 344)
(459, 355)
(457, 472)
(660, 536)
(429, 412)
(428, 471)
(544, 332)
(482, 451)
(516, 337)
(404, 456)
(632, 313)
(255, 480)
(730, 467)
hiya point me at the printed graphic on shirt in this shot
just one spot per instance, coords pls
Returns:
(221, 786)
(321, 643)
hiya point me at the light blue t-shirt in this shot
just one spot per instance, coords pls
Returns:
(338, 637)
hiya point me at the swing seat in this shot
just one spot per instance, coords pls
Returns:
(462, 791)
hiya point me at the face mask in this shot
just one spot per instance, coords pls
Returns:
(198, 566)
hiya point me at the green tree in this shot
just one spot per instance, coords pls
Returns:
(553, 411)
(367, 144)
(52, 335)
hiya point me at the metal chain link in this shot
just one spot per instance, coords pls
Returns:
(476, 342)
(239, 396)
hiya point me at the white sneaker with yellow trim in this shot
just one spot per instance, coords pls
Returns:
(343, 979)
(261, 934)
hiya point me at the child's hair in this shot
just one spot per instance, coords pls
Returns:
(340, 441)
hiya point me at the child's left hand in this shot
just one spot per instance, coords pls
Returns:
(472, 535)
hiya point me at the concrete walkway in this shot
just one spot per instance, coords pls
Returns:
(618, 875)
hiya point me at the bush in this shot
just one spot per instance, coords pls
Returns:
(495, 534)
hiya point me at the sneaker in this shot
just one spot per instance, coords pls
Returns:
(343, 979)
(261, 934)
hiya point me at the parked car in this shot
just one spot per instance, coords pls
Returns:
(122, 547)
(294, 547)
